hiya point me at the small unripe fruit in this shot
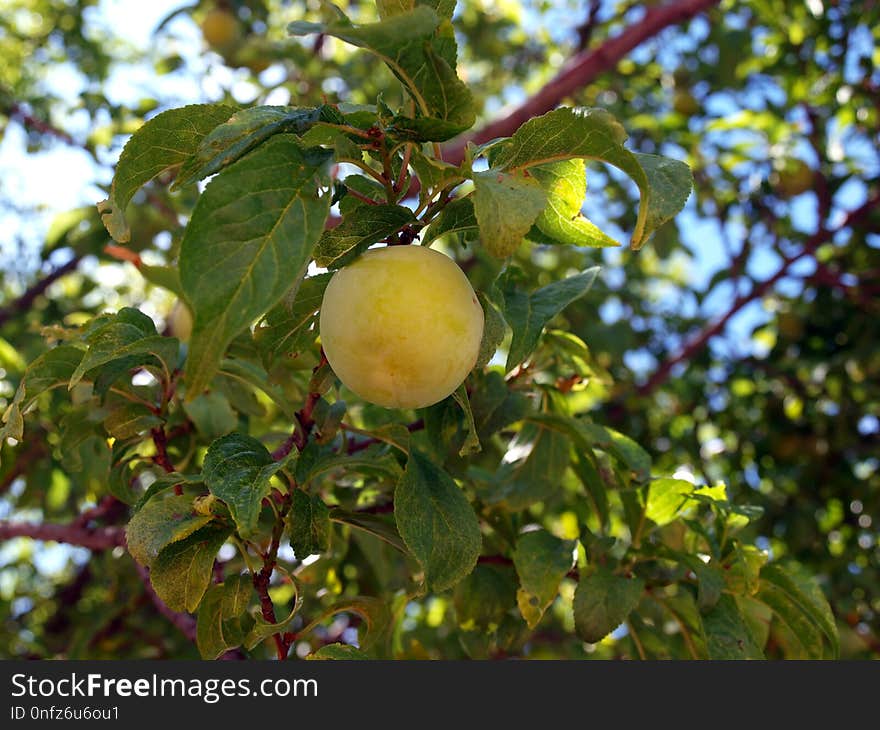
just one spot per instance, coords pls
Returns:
(792, 177)
(401, 326)
(684, 103)
(220, 28)
(180, 321)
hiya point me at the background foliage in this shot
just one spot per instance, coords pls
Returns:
(735, 348)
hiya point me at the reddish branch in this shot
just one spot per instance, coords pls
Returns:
(581, 70)
(93, 538)
(758, 290)
(30, 122)
(262, 578)
(304, 421)
(36, 450)
(24, 302)
(108, 510)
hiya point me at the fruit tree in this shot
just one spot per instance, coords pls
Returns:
(346, 359)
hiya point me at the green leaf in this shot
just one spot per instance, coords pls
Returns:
(506, 206)
(163, 482)
(621, 447)
(743, 569)
(368, 224)
(434, 175)
(494, 329)
(533, 468)
(12, 423)
(484, 597)
(262, 629)
(237, 470)
(212, 415)
(375, 525)
(161, 522)
(389, 8)
(798, 602)
(241, 252)
(129, 336)
(210, 639)
(565, 185)
(309, 524)
(602, 601)
(457, 217)
(373, 611)
(667, 499)
(527, 314)
(287, 327)
(710, 580)
(242, 132)
(163, 143)
(671, 183)
(325, 135)
(494, 406)
(728, 635)
(127, 420)
(436, 522)
(393, 434)
(683, 608)
(223, 620)
(542, 561)
(253, 375)
(166, 277)
(419, 48)
(564, 133)
(51, 369)
(181, 573)
(588, 475)
(338, 651)
(758, 617)
(471, 443)
(449, 105)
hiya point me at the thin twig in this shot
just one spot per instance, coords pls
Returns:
(24, 302)
(758, 290)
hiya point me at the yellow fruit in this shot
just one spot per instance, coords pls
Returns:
(684, 103)
(220, 28)
(180, 321)
(401, 326)
(253, 56)
(792, 177)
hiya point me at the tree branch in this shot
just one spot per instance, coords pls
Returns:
(35, 451)
(23, 303)
(94, 538)
(304, 421)
(262, 578)
(581, 70)
(30, 122)
(758, 290)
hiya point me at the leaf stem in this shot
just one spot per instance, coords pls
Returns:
(364, 167)
(245, 555)
(360, 196)
(401, 177)
(685, 634)
(638, 644)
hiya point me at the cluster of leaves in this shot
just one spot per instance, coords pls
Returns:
(497, 518)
